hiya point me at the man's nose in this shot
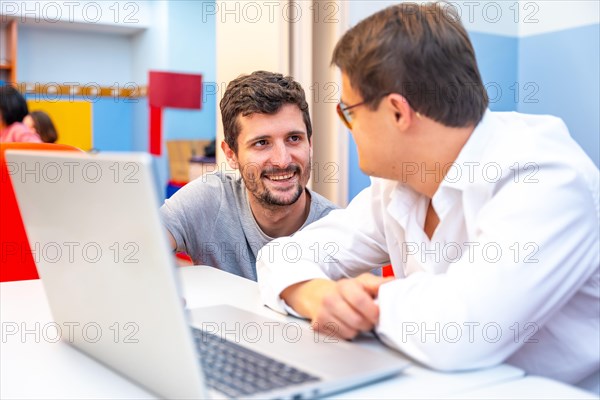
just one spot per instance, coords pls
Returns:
(281, 156)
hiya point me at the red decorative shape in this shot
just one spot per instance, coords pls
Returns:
(155, 131)
(174, 90)
(17, 261)
(16, 257)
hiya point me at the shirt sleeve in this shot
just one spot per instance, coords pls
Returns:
(535, 246)
(345, 243)
(190, 214)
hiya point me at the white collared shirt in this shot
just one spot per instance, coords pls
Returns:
(511, 272)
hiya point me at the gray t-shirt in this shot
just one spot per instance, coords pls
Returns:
(211, 220)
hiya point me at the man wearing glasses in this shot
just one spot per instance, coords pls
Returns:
(490, 220)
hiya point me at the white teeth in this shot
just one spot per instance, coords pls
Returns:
(280, 177)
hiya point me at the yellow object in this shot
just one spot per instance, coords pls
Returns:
(72, 119)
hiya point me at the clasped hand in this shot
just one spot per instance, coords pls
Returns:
(339, 308)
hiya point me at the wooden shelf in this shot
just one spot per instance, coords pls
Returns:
(9, 43)
(54, 90)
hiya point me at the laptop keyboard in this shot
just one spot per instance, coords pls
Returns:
(237, 371)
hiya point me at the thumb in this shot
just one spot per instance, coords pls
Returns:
(371, 283)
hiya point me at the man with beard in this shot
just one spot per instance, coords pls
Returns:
(221, 220)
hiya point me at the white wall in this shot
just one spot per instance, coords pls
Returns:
(295, 38)
(117, 15)
(62, 56)
(494, 17)
(549, 16)
(85, 41)
(330, 143)
(501, 17)
(250, 36)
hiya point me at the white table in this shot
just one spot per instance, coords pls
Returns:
(530, 387)
(36, 367)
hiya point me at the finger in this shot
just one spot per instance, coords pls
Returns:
(332, 327)
(340, 310)
(361, 302)
(371, 283)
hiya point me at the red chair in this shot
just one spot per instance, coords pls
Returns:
(16, 259)
(387, 271)
(183, 260)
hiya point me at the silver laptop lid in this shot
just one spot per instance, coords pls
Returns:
(93, 227)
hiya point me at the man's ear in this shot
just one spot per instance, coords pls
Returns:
(403, 114)
(230, 155)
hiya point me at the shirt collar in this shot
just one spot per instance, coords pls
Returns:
(402, 198)
(467, 164)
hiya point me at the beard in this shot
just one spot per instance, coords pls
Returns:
(272, 197)
(268, 198)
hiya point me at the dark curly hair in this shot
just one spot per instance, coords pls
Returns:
(260, 92)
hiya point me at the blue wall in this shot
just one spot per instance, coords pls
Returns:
(192, 50)
(112, 124)
(565, 67)
(141, 124)
(497, 57)
(357, 180)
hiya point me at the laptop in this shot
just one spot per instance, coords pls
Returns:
(103, 257)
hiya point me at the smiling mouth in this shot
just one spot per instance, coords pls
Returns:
(280, 177)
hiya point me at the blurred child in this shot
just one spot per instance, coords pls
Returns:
(41, 124)
(13, 108)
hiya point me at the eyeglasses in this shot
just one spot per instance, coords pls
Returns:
(342, 111)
